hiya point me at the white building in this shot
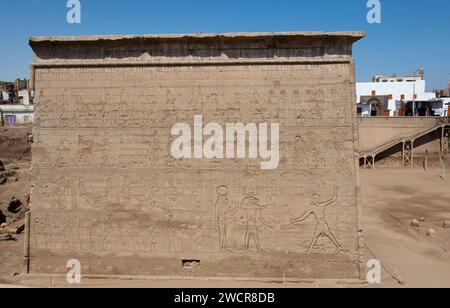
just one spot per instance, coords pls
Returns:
(24, 97)
(14, 115)
(4, 96)
(18, 114)
(390, 94)
(445, 106)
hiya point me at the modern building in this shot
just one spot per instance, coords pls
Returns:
(14, 115)
(443, 92)
(444, 96)
(396, 96)
(16, 103)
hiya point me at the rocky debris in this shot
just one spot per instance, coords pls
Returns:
(446, 225)
(17, 230)
(14, 167)
(6, 175)
(422, 219)
(20, 229)
(2, 166)
(7, 237)
(2, 219)
(415, 223)
(14, 205)
(431, 233)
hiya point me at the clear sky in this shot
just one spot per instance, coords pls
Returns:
(413, 33)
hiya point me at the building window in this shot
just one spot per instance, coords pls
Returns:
(390, 96)
(374, 93)
(402, 97)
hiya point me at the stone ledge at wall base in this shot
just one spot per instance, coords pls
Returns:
(60, 281)
(108, 192)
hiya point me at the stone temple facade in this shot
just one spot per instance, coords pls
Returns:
(107, 191)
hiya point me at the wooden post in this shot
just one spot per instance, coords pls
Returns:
(442, 142)
(26, 259)
(403, 154)
(444, 159)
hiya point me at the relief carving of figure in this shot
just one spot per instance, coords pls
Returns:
(252, 208)
(317, 208)
(223, 211)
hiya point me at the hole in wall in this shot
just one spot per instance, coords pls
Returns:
(190, 264)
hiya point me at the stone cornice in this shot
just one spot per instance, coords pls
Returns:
(195, 49)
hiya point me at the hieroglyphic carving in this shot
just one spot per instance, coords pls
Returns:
(105, 184)
(82, 232)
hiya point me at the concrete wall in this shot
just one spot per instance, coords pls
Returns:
(106, 190)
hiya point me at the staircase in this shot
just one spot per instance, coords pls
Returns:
(369, 155)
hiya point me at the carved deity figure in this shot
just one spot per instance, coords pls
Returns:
(252, 208)
(223, 211)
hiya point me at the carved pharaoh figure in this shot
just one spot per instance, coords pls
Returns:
(317, 209)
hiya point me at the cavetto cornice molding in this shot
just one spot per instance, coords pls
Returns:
(195, 49)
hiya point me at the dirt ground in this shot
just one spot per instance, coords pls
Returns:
(391, 199)
(15, 155)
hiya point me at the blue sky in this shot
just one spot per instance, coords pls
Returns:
(413, 33)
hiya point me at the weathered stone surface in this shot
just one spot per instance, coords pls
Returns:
(107, 191)
(6, 176)
(431, 233)
(415, 223)
(2, 220)
(19, 229)
(14, 205)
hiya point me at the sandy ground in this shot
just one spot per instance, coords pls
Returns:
(391, 199)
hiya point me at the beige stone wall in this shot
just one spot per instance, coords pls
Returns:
(106, 190)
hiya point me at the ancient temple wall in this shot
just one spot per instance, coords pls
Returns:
(108, 191)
